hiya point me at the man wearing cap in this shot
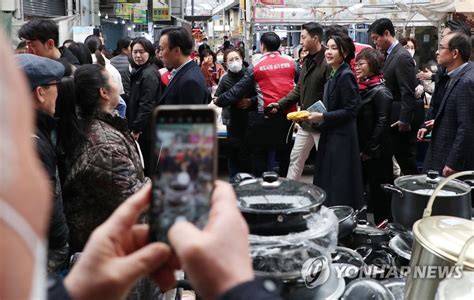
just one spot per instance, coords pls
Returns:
(44, 75)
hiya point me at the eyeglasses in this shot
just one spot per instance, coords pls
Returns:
(441, 47)
(360, 64)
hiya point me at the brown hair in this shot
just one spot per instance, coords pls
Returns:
(404, 41)
(374, 58)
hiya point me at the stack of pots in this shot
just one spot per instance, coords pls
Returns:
(441, 243)
(288, 228)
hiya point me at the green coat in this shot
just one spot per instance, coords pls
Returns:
(310, 87)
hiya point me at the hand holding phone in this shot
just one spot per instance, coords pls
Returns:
(185, 142)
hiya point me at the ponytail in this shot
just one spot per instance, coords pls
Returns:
(100, 58)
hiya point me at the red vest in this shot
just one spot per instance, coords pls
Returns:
(274, 76)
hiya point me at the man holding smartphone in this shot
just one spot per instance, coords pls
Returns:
(187, 84)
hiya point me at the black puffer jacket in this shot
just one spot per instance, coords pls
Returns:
(145, 93)
(58, 233)
(373, 121)
(237, 118)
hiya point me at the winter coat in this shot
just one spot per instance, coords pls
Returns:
(310, 87)
(58, 233)
(104, 171)
(238, 118)
(338, 167)
(145, 92)
(373, 121)
(122, 64)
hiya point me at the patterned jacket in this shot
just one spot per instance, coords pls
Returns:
(103, 172)
(452, 141)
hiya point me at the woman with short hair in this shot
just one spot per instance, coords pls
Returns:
(235, 114)
(373, 126)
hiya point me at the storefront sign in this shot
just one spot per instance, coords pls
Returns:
(161, 10)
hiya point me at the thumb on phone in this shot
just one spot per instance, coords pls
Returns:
(184, 237)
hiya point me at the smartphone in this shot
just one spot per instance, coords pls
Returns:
(185, 142)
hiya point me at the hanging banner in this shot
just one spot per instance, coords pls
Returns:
(123, 10)
(161, 10)
(139, 12)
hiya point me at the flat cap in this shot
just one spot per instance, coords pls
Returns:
(40, 70)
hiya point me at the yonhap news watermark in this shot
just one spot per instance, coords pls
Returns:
(316, 271)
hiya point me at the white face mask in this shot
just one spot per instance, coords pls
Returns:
(235, 66)
(412, 52)
(220, 58)
(37, 246)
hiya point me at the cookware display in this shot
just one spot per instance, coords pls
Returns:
(396, 286)
(277, 206)
(456, 288)
(366, 288)
(439, 242)
(365, 234)
(410, 195)
(289, 226)
(349, 263)
(347, 218)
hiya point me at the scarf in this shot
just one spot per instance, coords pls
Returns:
(367, 82)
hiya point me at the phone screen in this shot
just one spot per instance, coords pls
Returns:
(185, 142)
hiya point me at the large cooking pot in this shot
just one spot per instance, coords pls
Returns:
(439, 242)
(277, 206)
(410, 194)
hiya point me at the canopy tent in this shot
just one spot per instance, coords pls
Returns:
(401, 12)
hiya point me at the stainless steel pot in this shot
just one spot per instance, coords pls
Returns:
(439, 242)
(410, 194)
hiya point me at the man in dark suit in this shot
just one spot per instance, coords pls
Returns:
(452, 144)
(187, 84)
(399, 73)
(451, 26)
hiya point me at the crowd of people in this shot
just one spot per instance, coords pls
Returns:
(92, 133)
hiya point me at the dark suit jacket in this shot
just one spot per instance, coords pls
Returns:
(452, 142)
(400, 75)
(187, 87)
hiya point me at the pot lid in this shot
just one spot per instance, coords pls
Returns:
(445, 237)
(271, 194)
(456, 288)
(402, 245)
(426, 184)
(366, 288)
